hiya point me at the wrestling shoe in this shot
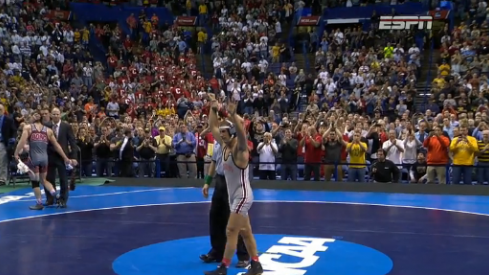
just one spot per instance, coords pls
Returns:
(242, 264)
(209, 258)
(255, 269)
(61, 203)
(221, 270)
(38, 206)
(49, 202)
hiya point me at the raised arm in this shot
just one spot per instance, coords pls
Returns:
(213, 120)
(238, 125)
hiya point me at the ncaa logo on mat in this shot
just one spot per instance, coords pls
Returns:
(280, 255)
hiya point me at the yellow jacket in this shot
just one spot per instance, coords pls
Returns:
(464, 152)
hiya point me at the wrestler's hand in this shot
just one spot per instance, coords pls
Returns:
(232, 106)
(205, 191)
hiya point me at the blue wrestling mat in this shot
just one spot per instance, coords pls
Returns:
(162, 231)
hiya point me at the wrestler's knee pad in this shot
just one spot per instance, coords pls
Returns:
(35, 184)
(35, 177)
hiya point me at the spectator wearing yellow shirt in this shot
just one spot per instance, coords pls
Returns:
(85, 36)
(165, 111)
(444, 69)
(439, 81)
(188, 6)
(202, 13)
(357, 151)
(388, 51)
(148, 27)
(464, 149)
(164, 145)
(17, 78)
(201, 38)
(77, 36)
(276, 53)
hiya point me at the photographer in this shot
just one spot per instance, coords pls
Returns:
(267, 149)
(103, 154)
(147, 152)
(85, 142)
(437, 156)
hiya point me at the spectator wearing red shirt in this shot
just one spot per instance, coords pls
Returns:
(201, 150)
(311, 141)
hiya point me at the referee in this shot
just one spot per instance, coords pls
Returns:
(219, 213)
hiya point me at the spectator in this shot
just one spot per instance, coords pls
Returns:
(333, 144)
(86, 145)
(288, 150)
(483, 159)
(393, 148)
(464, 149)
(146, 150)
(164, 146)
(267, 149)
(384, 170)
(185, 144)
(437, 158)
(357, 151)
(311, 141)
(417, 172)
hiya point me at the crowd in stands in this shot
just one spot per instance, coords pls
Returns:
(359, 100)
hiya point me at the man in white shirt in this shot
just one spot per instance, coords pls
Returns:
(267, 149)
(393, 148)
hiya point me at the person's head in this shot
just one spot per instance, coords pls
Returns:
(147, 133)
(36, 117)
(410, 135)
(485, 135)
(45, 116)
(332, 136)
(356, 136)
(162, 131)
(437, 130)
(381, 155)
(56, 115)
(183, 128)
(456, 131)
(200, 128)
(421, 158)
(226, 130)
(288, 133)
(128, 132)
(464, 130)
(82, 132)
(392, 134)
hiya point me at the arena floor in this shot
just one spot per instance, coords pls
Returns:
(129, 230)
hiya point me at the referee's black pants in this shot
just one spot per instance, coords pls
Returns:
(219, 216)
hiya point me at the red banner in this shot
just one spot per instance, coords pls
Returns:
(186, 20)
(58, 15)
(439, 14)
(309, 21)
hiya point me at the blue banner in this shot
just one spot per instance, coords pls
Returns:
(409, 8)
(85, 12)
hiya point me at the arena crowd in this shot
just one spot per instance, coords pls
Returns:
(359, 122)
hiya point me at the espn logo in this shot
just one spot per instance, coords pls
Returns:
(405, 22)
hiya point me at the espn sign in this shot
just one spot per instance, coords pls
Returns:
(405, 22)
